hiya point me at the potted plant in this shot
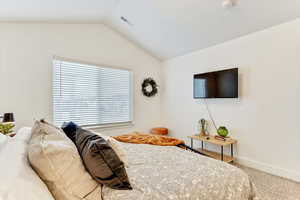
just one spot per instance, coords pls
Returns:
(222, 131)
(6, 128)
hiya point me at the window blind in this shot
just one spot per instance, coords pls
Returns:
(91, 95)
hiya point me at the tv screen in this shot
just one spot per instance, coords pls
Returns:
(219, 84)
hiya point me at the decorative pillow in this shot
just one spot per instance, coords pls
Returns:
(70, 130)
(118, 149)
(101, 160)
(55, 158)
(18, 180)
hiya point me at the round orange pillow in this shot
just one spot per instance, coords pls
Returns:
(160, 131)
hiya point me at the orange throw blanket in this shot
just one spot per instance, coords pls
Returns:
(144, 138)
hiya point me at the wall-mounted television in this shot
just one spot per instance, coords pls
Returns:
(218, 84)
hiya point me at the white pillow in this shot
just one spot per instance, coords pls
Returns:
(23, 134)
(18, 180)
(3, 140)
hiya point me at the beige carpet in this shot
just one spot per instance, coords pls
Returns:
(271, 187)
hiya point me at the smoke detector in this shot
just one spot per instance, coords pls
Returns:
(229, 3)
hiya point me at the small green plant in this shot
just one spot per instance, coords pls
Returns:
(222, 131)
(6, 128)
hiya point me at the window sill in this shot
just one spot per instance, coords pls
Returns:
(109, 126)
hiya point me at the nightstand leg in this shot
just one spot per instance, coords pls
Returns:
(191, 142)
(202, 144)
(231, 147)
(222, 152)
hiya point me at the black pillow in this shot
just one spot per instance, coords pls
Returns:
(101, 160)
(70, 130)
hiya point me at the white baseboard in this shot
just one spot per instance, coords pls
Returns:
(292, 175)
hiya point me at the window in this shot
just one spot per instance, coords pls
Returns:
(91, 95)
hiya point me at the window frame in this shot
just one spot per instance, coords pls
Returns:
(131, 89)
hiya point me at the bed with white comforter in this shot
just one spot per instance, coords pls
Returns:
(155, 173)
(171, 173)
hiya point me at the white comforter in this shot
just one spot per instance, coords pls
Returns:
(171, 173)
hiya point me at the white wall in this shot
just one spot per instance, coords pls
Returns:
(26, 52)
(265, 119)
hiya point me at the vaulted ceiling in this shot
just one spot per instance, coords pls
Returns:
(87, 11)
(164, 28)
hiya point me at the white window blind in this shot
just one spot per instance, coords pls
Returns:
(91, 95)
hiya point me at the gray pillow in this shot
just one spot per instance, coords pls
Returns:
(101, 160)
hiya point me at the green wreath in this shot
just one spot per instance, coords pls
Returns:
(149, 87)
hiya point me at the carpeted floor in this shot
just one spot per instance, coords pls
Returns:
(271, 187)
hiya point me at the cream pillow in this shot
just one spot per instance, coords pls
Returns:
(55, 158)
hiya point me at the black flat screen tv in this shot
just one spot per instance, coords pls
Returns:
(218, 84)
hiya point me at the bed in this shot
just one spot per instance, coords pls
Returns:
(172, 173)
(155, 173)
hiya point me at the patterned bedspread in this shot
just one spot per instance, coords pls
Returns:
(171, 173)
